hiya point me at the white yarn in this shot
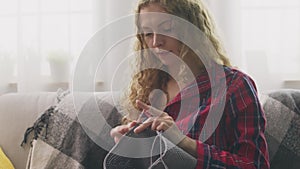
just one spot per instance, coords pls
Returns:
(161, 154)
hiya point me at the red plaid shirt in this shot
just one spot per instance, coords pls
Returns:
(238, 140)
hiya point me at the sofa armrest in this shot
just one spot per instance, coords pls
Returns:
(18, 111)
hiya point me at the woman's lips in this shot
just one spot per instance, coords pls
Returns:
(163, 53)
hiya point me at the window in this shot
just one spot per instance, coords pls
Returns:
(31, 29)
(271, 34)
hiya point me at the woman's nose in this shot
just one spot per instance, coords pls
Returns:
(157, 40)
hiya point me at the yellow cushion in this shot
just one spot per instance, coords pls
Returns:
(4, 161)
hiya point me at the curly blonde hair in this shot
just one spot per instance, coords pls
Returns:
(155, 77)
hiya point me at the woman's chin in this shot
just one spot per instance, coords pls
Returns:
(168, 63)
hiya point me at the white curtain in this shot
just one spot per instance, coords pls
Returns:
(34, 34)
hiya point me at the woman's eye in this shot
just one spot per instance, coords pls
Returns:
(167, 26)
(167, 29)
(148, 34)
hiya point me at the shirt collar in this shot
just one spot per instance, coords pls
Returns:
(202, 83)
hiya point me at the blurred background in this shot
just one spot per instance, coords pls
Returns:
(40, 40)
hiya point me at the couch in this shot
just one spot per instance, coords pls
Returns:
(18, 111)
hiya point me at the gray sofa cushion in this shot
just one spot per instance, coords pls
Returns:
(283, 128)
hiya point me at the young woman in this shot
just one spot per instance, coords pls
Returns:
(180, 106)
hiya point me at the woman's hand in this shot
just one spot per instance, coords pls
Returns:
(119, 131)
(159, 121)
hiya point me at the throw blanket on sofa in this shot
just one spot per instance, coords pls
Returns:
(60, 138)
(282, 109)
(65, 143)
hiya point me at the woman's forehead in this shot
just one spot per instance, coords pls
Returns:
(153, 7)
(152, 14)
(154, 20)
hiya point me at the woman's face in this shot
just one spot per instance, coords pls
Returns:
(155, 29)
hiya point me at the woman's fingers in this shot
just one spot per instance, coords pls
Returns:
(149, 109)
(132, 124)
(115, 133)
(142, 105)
(162, 126)
(144, 125)
(155, 123)
(119, 131)
(117, 139)
(159, 120)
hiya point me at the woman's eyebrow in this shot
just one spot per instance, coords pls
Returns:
(168, 20)
(145, 27)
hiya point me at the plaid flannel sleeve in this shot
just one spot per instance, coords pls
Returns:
(248, 147)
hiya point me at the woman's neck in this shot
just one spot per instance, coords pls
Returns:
(192, 67)
(173, 70)
(172, 89)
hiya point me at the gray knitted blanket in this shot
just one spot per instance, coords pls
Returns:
(63, 140)
(282, 109)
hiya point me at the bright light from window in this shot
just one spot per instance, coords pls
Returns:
(273, 27)
(42, 26)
